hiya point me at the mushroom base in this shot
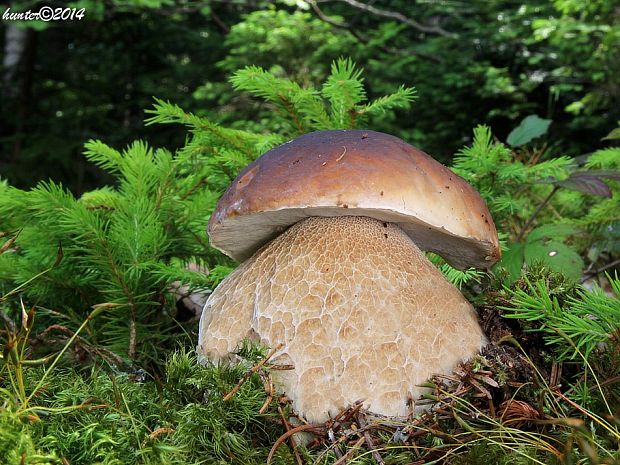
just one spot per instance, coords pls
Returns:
(359, 310)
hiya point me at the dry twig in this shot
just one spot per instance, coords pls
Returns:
(369, 442)
(287, 427)
(269, 389)
(309, 427)
(435, 29)
(251, 371)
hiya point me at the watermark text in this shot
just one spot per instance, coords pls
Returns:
(45, 13)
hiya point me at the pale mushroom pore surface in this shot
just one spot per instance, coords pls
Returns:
(359, 309)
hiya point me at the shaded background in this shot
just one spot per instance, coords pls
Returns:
(471, 62)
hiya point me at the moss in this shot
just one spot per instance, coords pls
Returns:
(17, 445)
(101, 417)
(497, 455)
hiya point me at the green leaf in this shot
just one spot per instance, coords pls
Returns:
(557, 256)
(512, 261)
(530, 128)
(551, 231)
(613, 135)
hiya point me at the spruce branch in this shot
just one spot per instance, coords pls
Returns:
(167, 113)
(585, 321)
(402, 98)
(344, 90)
(103, 156)
(278, 91)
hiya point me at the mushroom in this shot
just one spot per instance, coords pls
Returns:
(330, 229)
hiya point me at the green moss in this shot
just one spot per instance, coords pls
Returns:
(100, 417)
(497, 455)
(17, 445)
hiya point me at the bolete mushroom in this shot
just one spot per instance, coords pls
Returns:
(330, 229)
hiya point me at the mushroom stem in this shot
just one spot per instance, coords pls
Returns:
(360, 311)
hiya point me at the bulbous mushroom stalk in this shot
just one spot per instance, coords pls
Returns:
(330, 228)
(362, 312)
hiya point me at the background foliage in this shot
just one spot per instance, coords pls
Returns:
(476, 62)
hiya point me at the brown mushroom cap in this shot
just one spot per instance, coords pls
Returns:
(355, 173)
